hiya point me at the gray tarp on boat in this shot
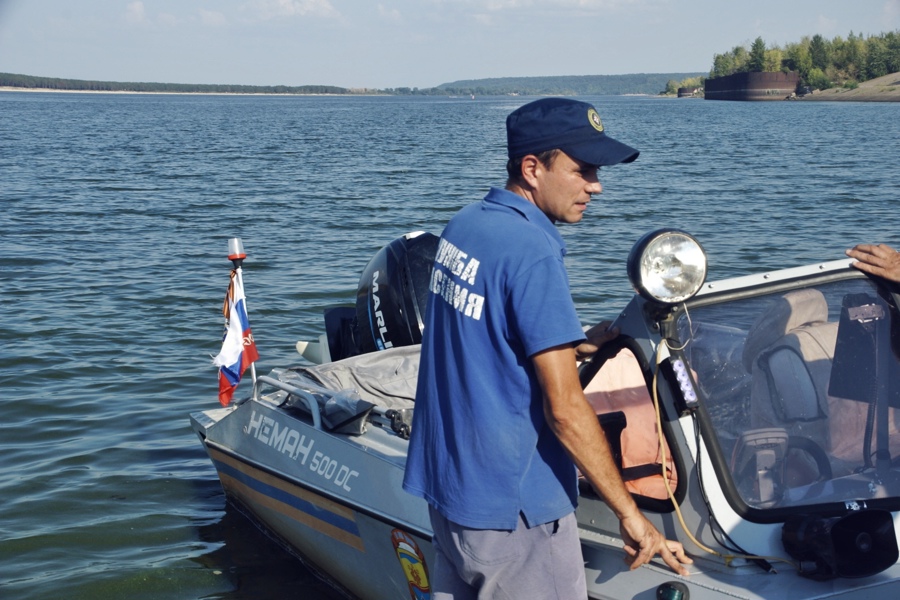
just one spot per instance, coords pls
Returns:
(347, 390)
(386, 378)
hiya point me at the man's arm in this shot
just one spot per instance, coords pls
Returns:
(572, 419)
(877, 259)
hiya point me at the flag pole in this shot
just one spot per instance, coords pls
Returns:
(237, 255)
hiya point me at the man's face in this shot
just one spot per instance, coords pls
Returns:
(563, 190)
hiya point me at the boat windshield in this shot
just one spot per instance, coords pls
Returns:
(802, 390)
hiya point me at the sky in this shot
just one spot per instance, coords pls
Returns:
(403, 43)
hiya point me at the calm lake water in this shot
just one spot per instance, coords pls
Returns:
(116, 210)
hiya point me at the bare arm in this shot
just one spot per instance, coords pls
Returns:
(877, 259)
(572, 419)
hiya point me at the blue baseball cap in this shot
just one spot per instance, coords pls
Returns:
(568, 125)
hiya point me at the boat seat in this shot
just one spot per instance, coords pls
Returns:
(619, 394)
(788, 353)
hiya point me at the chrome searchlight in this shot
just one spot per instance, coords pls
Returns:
(667, 266)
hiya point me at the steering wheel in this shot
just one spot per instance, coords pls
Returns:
(765, 470)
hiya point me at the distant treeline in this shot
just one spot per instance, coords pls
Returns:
(821, 63)
(574, 85)
(53, 83)
(643, 83)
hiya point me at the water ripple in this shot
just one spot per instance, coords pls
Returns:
(116, 213)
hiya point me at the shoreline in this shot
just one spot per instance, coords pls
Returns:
(8, 88)
(880, 89)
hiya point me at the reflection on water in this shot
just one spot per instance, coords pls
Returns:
(254, 565)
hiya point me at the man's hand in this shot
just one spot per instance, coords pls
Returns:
(877, 259)
(643, 541)
(596, 336)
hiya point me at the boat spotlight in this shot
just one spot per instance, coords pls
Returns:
(667, 266)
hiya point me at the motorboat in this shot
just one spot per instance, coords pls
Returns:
(755, 419)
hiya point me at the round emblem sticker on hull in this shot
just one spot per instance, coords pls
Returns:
(413, 563)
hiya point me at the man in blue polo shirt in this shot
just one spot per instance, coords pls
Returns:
(501, 421)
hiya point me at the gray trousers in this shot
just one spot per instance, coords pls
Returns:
(540, 563)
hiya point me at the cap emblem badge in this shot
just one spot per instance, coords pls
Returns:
(594, 118)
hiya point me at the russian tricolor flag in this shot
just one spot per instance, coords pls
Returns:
(238, 347)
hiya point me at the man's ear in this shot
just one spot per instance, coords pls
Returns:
(530, 168)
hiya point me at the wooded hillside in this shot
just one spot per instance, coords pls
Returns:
(821, 63)
(580, 85)
(643, 83)
(54, 83)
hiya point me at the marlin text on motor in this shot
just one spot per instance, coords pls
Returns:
(379, 316)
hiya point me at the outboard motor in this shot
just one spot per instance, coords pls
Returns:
(393, 292)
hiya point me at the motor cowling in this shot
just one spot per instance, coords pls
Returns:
(393, 293)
